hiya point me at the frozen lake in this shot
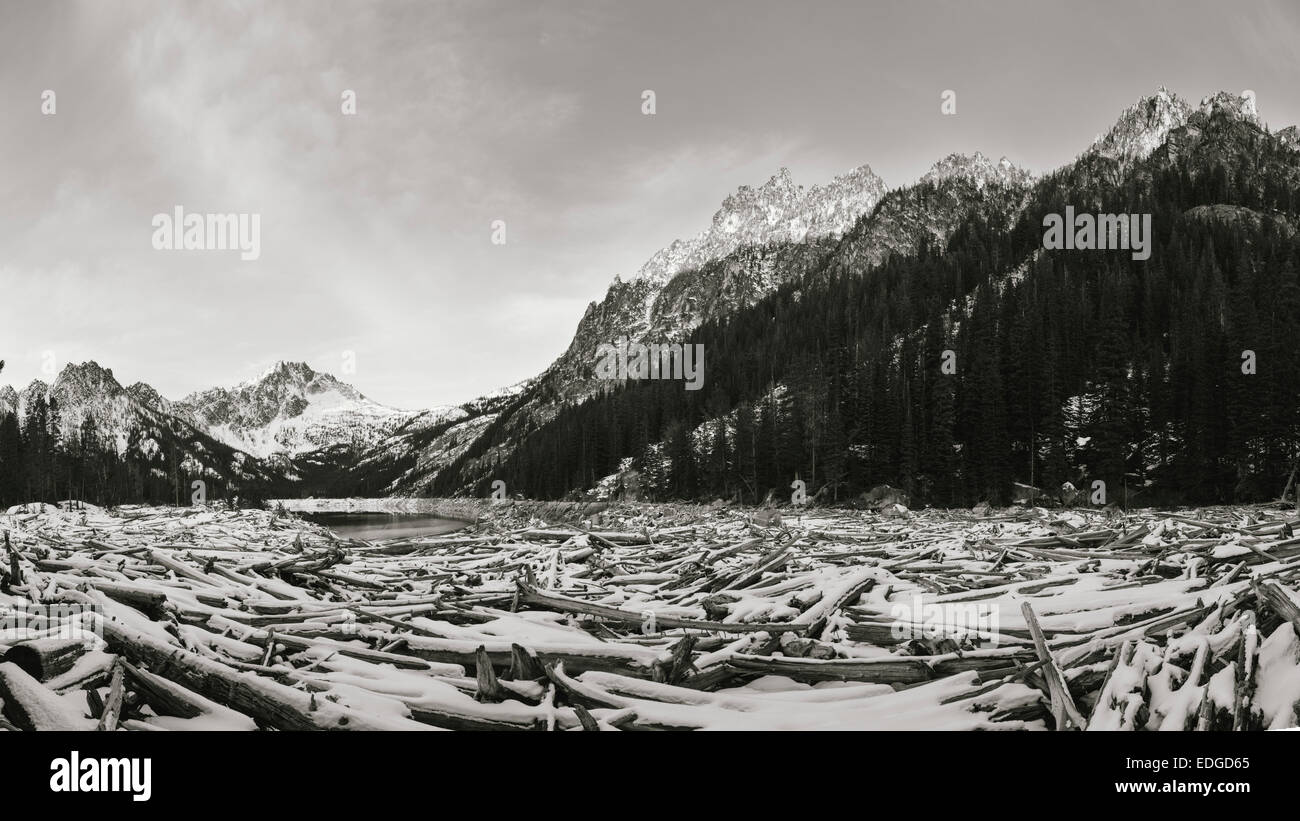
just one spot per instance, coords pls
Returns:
(384, 525)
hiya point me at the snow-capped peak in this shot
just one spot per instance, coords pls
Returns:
(290, 408)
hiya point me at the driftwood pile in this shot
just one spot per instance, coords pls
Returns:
(648, 618)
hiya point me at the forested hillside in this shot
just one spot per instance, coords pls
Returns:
(86, 437)
(1069, 365)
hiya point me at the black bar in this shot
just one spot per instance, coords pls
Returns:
(440, 770)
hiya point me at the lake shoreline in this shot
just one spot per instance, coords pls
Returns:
(463, 509)
(386, 526)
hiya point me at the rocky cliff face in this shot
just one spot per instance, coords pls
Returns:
(1142, 128)
(1168, 125)
(758, 238)
(777, 211)
(681, 285)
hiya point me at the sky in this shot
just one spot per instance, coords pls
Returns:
(377, 257)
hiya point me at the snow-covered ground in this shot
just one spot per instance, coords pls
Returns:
(667, 617)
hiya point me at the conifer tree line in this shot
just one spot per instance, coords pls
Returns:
(1070, 366)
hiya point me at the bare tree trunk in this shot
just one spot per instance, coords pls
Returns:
(1289, 482)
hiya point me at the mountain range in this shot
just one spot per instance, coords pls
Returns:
(947, 260)
(305, 431)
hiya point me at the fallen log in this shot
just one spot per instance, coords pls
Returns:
(627, 659)
(1062, 703)
(554, 601)
(1281, 601)
(30, 706)
(270, 704)
(878, 670)
(439, 633)
(43, 659)
(816, 616)
(147, 600)
(113, 704)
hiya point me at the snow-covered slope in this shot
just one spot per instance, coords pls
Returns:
(404, 461)
(291, 409)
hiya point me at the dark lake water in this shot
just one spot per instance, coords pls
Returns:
(384, 525)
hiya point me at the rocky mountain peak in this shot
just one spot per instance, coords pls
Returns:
(781, 181)
(1234, 106)
(293, 380)
(1143, 127)
(750, 209)
(777, 211)
(283, 372)
(85, 382)
(34, 388)
(289, 408)
(145, 395)
(976, 168)
(85, 392)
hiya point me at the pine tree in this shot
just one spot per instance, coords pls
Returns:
(12, 466)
